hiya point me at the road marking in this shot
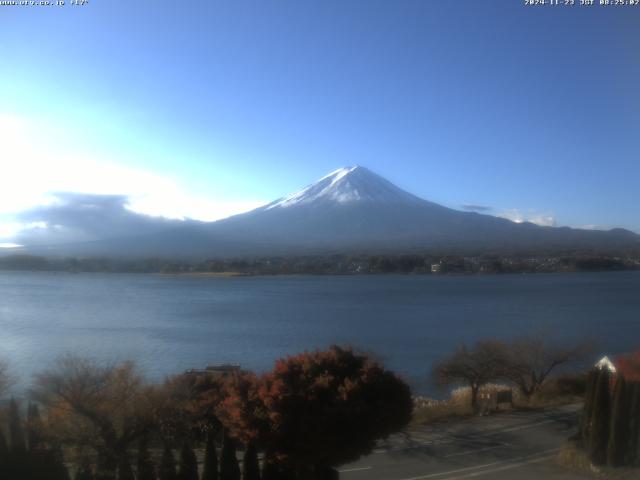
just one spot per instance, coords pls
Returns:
(471, 452)
(354, 469)
(499, 469)
(439, 439)
(486, 465)
(425, 439)
(524, 427)
(423, 436)
(484, 432)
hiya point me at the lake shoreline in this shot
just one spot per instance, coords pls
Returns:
(231, 274)
(339, 264)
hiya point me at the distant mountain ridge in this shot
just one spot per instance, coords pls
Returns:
(354, 209)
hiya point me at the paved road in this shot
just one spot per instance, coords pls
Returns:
(505, 446)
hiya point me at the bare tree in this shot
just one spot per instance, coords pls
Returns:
(531, 360)
(472, 367)
(103, 407)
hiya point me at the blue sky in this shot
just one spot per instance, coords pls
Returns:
(205, 108)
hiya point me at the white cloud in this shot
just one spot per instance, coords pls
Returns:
(174, 203)
(32, 166)
(530, 215)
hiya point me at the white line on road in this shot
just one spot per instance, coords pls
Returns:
(486, 465)
(452, 438)
(477, 450)
(440, 439)
(500, 469)
(524, 427)
(354, 469)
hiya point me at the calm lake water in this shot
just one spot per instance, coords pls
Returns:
(169, 324)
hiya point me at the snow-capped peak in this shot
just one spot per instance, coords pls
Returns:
(346, 185)
(339, 173)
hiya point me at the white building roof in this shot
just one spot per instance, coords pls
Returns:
(605, 362)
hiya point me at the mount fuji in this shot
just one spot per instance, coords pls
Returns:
(354, 210)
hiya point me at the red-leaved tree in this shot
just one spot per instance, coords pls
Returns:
(629, 366)
(327, 408)
(186, 405)
(242, 411)
(244, 417)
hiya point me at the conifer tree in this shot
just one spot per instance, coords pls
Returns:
(600, 420)
(619, 434)
(125, 472)
(250, 464)
(145, 467)
(84, 472)
(587, 411)
(210, 467)
(4, 453)
(188, 463)
(634, 422)
(229, 468)
(16, 431)
(57, 467)
(18, 465)
(106, 469)
(34, 428)
(168, 464)
(272, 470)
(269, 468)
(4, 448)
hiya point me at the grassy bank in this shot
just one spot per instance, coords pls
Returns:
(575, 459)
(563, 390)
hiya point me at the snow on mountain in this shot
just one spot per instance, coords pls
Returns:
(353, 209)
(347, 185)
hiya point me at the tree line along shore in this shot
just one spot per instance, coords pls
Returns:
(356, 264)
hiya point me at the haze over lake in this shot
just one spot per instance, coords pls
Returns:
(169, 324)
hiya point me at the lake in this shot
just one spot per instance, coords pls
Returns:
(169, 324)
